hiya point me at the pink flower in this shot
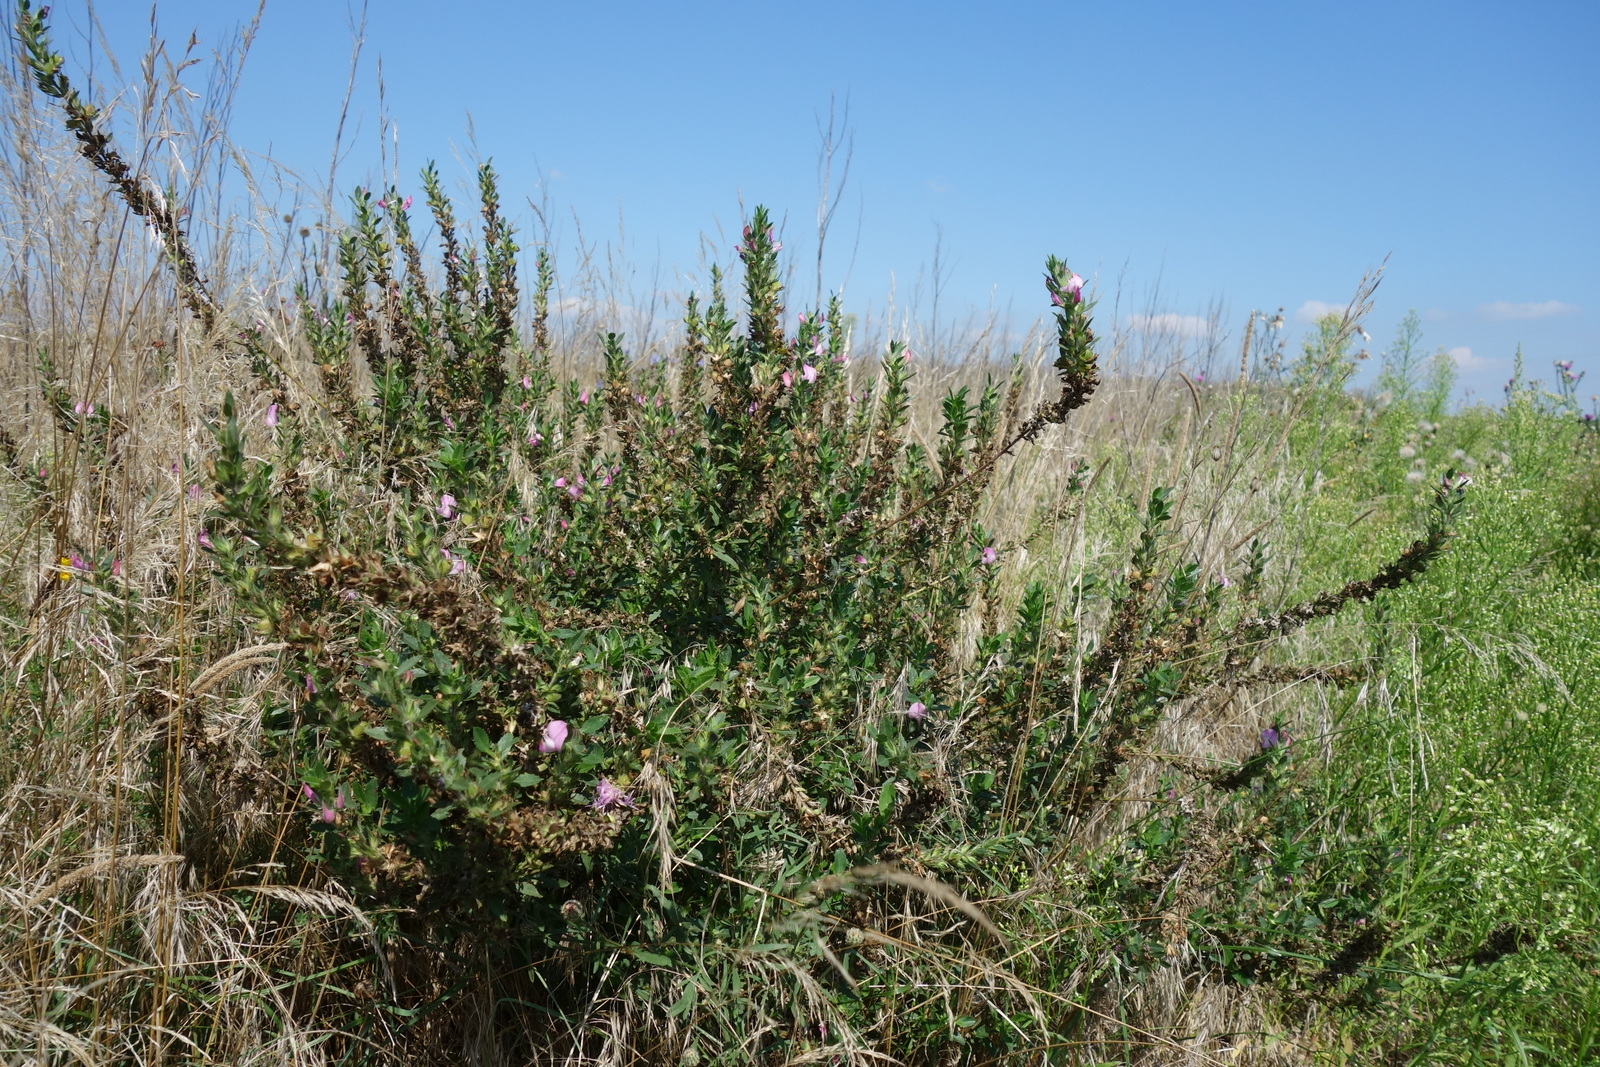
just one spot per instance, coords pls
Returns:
(583, 397)
(311, 686)
(196, 493)
(535, 439)
(990, 555)
(819, 348)
(328, 814)
(608, 796)
(808, 372)
(527, 382)
(205, 540)
(76, 562)
(788, 379)
(918, 711)
(116, 568)
(406, 204)
(82, 408)
(555, 736)
(575, 490)
(307, 792)
(1075, 287)
(271, 418)
(561, 483)
(448, 421)
(458, 564)
(447, 506)
(1223, 580)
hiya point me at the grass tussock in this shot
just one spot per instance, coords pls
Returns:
(400, 670)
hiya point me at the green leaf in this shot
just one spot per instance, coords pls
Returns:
(886, 799)
(686, 1002)
(652, 957)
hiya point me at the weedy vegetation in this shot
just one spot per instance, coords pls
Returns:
(400, 671)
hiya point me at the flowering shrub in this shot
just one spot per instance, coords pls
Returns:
(704, 613)
(676, 688)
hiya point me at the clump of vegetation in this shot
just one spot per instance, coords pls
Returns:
(752, 705)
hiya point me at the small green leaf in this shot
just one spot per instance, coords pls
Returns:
(652, 957)
(686, 1002)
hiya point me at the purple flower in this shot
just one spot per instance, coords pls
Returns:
(447, 506)
(196, 493)
(808, 372)
(1270, 739)
(990, 555)
(77, 563)
(271, 418)
(554, 738)
(311, 686)
(448, 421)
(1223, 580)
(918, 711)
(205, 540)
(458, 564)
(607, 796)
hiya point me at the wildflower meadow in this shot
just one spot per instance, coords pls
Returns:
(402, 669)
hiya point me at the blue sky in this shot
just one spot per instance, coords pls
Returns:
(1241, 155)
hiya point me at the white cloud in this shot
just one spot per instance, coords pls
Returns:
(1464, 359)
(1505, 311)
(1181, 325)
(1312, 310)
